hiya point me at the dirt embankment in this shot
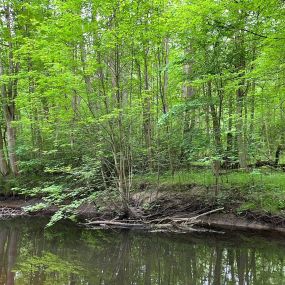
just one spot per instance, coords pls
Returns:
(164, 209)
(182, 205)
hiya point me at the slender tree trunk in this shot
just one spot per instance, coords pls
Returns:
(9, 114)
(240, 132)
(162, 56)
(120, 147)
(147, 114)
(215, 121)
(9, 93)
(4, 168)
(189, 117)
(240, 94)
(165, 75)
(230, 127)
(11, 140)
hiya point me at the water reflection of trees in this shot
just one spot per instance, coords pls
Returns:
(30, 255)
(9, 238)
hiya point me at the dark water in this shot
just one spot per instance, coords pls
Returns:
(67, 255)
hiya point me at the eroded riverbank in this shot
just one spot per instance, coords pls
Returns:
(163, 208)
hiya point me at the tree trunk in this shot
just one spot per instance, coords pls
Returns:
(230, 126)
(4, 168)
(277, 155)
(240, 94)
(239, 126)
(9, 114)
(215, 121)
(9, 93)
(11, 140)
(146, 114)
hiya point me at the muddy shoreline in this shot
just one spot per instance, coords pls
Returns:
(224, 220)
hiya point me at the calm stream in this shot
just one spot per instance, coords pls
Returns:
(68, 255)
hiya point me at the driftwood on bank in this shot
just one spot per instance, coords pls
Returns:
(182, 224)
(122, 223)
(6, 213)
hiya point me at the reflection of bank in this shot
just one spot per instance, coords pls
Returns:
(36, 256)
(8, 254)
(65, 254)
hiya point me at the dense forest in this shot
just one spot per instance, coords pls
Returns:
(96, 93)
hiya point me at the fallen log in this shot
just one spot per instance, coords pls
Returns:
(167, 223)
(184, 219)
(121, 224)
(208, 213)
